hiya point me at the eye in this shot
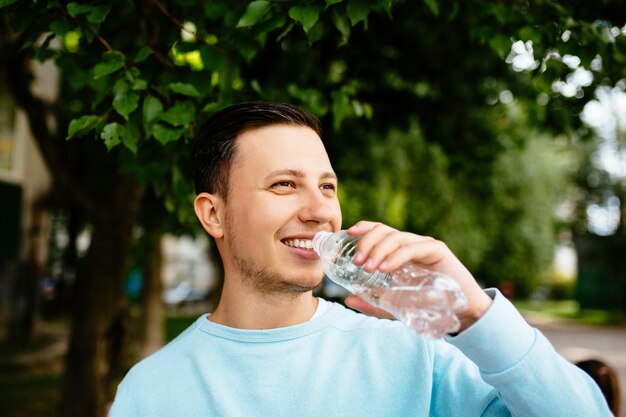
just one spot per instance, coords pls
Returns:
(283, 184)
(328, 186)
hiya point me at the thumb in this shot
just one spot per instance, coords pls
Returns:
(357, 303)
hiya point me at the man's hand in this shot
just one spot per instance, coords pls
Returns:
(386, 249)
(359, 304)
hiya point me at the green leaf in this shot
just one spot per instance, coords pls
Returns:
(99, 13)
(179, 115)
(358, 10)
(386, 5)
(254, 12)
(307, 15)
(120, 86)
(433, 6)
(111, 62)
(139, 85)
(125, 103)
(82, 125)
(60, 27)
(152, 108)
(342, 24)
(112, 134)
(341, 108)
(184, 89)
(95, 14)
(43, 54)
(331, 2)
(5, 3)
(142, 54)
(212, 107)
(317, 32)
(164, 134)
(212, 59)
(271, 24)
(246, 47)
(74, 9)
(130, 138)
(500, 44)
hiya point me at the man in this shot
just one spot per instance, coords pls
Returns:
(265, 186)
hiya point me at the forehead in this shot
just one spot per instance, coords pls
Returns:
(281, 147)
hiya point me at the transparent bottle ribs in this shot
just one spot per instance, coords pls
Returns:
(426, 301)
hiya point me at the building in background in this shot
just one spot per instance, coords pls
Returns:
(24, 183)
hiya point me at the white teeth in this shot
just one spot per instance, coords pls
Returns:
(300, 243)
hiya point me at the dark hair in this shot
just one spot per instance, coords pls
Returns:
(606, 378)
(214, 147)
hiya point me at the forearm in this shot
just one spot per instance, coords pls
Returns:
(520, 363)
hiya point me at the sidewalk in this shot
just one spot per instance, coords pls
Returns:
(577, 342)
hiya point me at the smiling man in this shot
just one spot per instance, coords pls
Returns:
(265, 186)
(282, 191)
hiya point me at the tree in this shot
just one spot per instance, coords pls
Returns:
(427, 77)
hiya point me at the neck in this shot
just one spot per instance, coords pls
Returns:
(242, 308)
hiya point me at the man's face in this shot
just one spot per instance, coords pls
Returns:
(282, 191)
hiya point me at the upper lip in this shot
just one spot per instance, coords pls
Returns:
(305, 236)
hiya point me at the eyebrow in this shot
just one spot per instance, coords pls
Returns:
(299, 174)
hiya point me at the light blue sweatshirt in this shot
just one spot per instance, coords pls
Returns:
(346, 364)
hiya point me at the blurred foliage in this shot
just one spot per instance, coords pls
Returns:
(410, 94)
(431, 123)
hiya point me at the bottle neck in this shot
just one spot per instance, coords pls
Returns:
(319, 241)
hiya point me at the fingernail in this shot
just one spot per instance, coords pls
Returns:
(384, 265)
(369, 264)
(358, 257)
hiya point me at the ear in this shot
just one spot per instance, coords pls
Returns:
(209, 209)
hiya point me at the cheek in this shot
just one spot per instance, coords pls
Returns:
(337, 220)
(263, 221)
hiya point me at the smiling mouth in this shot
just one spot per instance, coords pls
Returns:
(306, 244)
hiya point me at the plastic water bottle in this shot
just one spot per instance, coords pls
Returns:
(425, 301)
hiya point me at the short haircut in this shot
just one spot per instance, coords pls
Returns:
(215, 145)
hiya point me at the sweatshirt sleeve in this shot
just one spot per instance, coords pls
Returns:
(530, 377)
(123, 405)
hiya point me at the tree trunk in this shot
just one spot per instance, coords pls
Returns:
(152, 318)
(27, 296)
(99, 334)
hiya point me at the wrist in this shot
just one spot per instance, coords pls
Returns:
(477, 307)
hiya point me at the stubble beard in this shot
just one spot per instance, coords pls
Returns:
(260, 278)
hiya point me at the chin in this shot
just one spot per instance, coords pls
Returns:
(308, 284)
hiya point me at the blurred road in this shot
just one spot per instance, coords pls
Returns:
(577, 342)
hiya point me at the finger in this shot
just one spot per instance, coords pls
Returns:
(385, 248)
(359, 304)
(374, 234)
(361, 227)
(436, 256)
(358, 230)
(426, 252)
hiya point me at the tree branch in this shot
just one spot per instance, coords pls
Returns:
(180, 25)
(96, 35)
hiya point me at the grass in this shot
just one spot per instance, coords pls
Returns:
(27, 395)
(27, 391)
(570, 310)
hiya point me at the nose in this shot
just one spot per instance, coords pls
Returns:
(317, 207)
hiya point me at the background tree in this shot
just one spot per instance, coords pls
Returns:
(421, 109)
